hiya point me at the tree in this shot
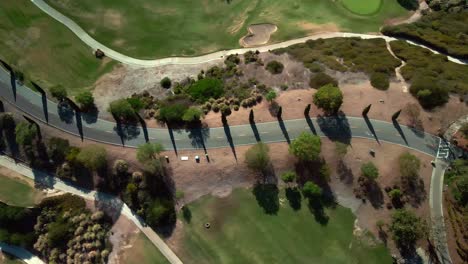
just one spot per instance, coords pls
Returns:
(204, 89)
(409, 165)
(329, 98)
(370, 171)
(270, 96)
(406, 228)
(93, 157)
(25, 133)
(166, 83)
(59, 92)
(395, 194)
(257, 157)
(274, 67)
(192, 114)
(172, 113)
(306, 147)
(311, 190)
(136, 103)
(288, 176)
(148, 152)
(122, 110)
(159, 212)
(85, 99)
(58, 149)
(380, 80)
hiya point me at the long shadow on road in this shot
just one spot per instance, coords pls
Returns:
(227, 131)
(335, 127)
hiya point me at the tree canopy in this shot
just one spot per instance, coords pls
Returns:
(25, 133)
(274, 67)
(122, 110)
(58, 91)
(257, 157)
(329, 98)
(288, 176)
(311, 190)
(85, 99)
(192, 114)
(406, 227)
(93, 157)
(270, 96)
(166, 82)
(370, 171)
(409, 165)
(306, 147)
(204, 89)
(148, 152)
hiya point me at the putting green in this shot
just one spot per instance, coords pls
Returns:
(362, 7)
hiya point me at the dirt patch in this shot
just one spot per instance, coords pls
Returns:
(33, 33)
(122, 236)
(312, 28)
(258, 34)
(124, 81)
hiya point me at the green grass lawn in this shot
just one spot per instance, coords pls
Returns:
(17, 192)
(161, 28)
(241, 232)
(143, 252)
(361, 7)
(45, 50)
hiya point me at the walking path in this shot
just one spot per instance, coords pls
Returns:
(437, 211)
(103, 198)
(20, 253)
(94, 44)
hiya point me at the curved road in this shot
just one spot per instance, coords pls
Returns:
(94, 44)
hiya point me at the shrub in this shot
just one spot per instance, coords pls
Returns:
(311, 190)
(59, 92)
(25, 133)
(270, 96)
(166, 82)
(122, 110)
(428, 92)
(370, 171)
(288, 176)
(329, 98)
(205, 89)
(379, 80)
(257, 157)
(409, 165)
(274, 67)
(192, 114)
(85, 99)
(321, 79)
(93, 157)
(406, 228)
(306, 147)
(172, 113)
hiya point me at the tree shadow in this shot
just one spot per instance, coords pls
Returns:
(126, 131)
(109, 204)
(383, 236)
(171, 136)
(44, 101)
(65, 112)
(187, 214)
(198, 136)
(374, 194)
(284, 130)
(317, 209)
(400, 131)
(294, 198)
(227, 131)
(371, 128)
(143, 127)
(409, 4)
(254, 126)
(335, 127)
(267, 197)
(415, 192)
(345, 173)
(311, 125)
(79, 124)
(91, 115)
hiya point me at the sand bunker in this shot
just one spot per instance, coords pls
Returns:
(259, 34)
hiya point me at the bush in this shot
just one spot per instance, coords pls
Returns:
(428, 92)
(25, 133)
(59, 92)
(380, 80)
(275, 67)
(192, 114)
(257, 157)
(321, 79)
(270, 96)
(160, 212)
(122, 110)
(370, 171)
(329, 98)
(205, 89)
(311, 190)
(306, 147)
(136, 103)
(172, 113)
(93, 157)
(85, 99)
(288, 176)
(166, 82)
(409, 165)
(406, 228)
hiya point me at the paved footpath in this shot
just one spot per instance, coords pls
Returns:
(94, 44)
(102, 198)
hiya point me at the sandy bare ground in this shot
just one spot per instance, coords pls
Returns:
(258, 34)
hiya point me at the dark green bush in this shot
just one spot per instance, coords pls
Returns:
(275, 67)
(172, 113)
(166, 82)
(205, 89)
(320, 79)
(380, 80)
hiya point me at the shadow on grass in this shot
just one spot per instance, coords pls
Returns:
(294, 198)
(187, 214)
(316, 207)
(267, 197)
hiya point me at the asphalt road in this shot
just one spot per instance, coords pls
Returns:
(94, 44)
(342, 128)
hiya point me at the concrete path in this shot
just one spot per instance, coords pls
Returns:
(20, 253)
(51, 182)
(437, 211)
(94, 44)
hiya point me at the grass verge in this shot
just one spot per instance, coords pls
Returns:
(143, 252)
(17, 192)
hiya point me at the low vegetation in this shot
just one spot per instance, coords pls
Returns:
(306, 147)
(329, 98)
(432, 76)
(443, 31)
(345, 55)
(18, 192)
